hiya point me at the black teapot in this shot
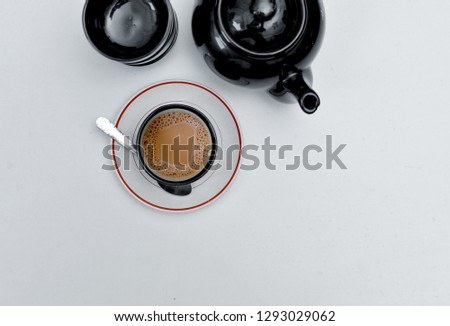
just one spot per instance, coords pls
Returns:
(269, 43)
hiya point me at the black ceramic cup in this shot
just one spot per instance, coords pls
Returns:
(176, 187)
(133, 32)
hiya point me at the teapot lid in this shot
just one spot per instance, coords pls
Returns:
(261, 27)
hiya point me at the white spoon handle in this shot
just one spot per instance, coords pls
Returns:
(108, 128)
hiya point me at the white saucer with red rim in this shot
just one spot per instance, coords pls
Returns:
(226, 126)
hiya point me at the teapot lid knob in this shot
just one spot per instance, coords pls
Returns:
(262, 27)
(263, 9)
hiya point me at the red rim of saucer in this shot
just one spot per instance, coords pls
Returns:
(234, 172)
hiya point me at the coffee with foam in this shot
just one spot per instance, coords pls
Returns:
(176, 144)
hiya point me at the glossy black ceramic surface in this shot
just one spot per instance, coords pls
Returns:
(261, 26)
(263, 42)
(135, 32)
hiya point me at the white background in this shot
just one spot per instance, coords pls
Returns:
(378, 233)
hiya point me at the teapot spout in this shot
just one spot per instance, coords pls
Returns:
(293, 81)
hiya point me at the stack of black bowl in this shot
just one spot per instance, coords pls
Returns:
(134, 32)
